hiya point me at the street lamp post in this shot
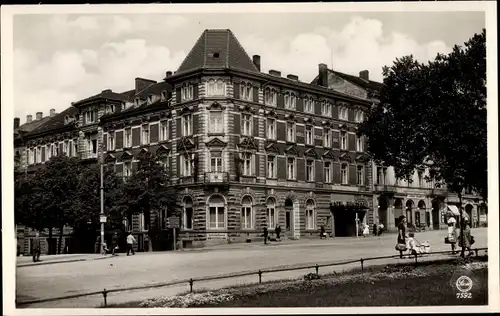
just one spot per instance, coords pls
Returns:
(102, 217)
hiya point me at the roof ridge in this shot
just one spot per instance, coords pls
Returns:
(243, 49)
(192, 49)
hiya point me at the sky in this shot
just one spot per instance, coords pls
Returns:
(59, 59)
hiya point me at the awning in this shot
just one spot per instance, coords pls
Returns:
(453, 209)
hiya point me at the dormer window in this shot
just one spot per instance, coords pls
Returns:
(359, 116)
(110, 108)
(246, 91)
(137, 101)
(309, 105)
(90, 116)
(343, 113)
(215, 87)
(187, 92)
(290, 100)
(326, 108)
(164, 95)
(270, 96)
(150, 99)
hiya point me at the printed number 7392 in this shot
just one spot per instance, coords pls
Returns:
(464, 295)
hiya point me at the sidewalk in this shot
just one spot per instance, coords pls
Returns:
(26, 261)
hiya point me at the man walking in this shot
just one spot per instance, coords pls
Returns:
(130, 243)
(36, 247)
(266, 234)
(114, 243)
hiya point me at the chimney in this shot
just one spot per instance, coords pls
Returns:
(169, 73)
(39, 115)
(275, 73)
(256, 61)
(17, 122)
(364, 74)
(52, 112)
(323, 75)
(29, 118)
(106, 91)
(293, 77)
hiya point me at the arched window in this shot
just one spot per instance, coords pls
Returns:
(187, 92)
(344, 173)
(246, 91)
(217, 212)
(271, 213)
(360, 175)
(309, 105)
(246, 213)
(310, 214)
(343, 113)
(270, 96)
(187, 219)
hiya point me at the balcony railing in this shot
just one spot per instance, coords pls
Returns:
(384, 188)
(216, 178)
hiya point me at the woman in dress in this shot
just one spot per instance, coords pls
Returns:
(402, 233)
(466, 240)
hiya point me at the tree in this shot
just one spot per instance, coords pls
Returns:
(28, 208)
(147, 191)
(434, 115)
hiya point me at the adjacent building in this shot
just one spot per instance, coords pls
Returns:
(245, 149)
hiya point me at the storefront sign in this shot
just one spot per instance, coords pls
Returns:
(216, 236)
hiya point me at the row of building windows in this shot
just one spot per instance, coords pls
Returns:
(145, 134)
(42, 154)
(217, 88)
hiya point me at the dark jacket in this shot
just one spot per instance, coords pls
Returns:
(36, 243)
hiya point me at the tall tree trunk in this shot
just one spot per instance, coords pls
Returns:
(49, 246)
(61, 230)
(462, 254)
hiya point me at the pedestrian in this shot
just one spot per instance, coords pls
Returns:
(114, 243)
(366, 230)
(266, 234)
(322, 232)
(36, 248)
(380, 229)
(375, 226)
(465, 240)
(278, 231)
(402, 235)
(130, 243)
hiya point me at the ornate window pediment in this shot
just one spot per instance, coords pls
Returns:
(345, 157)
(162, 151)
(185, 144)
(362, 158)
(248, 143)
(330, 155)
(109, 158)
(310, 152)
(271, 147)
(127, 155)
(292, 150)
(215, 106)
(215, 143)
(246, 109)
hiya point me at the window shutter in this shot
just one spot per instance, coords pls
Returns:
(119, 140)
(119, 169)
(170, 129)
(43, 153)
(237, 124)
(281, 132)
(257, 165)
(351, 142)
(317, 107)
(335, 139)
(318, 171)
(236, 90)
(154, 133)
(178, 95)
(255, 94)
(60, 148)
(336, 172)
(136, 136)
(256, 126)
(300, 104)
(350, 115)
(301, 168)
(299, 138)
(196, 93)
(178, 160)
(196, 126)
(178, 126)
(352, 174)
(105, 141)
(281, 168)
(281, 100)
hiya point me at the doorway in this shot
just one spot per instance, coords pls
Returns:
(289, 217)
(382, 211)
(435, 215)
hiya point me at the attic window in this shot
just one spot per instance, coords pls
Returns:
(163, 95)
(150, 99)
(215, 55)
(137, 101)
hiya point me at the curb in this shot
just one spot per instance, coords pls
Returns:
(56, 262)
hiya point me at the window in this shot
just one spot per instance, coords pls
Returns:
(94, 146)
(163, 130)
(111, 141)
(38, 155)
(246, 213)
(271, 166)
(310, 170)
(309, 214)
(343, 173)
(290, 169)
(110, 108)
(359, 143)
(326, 108)
(127, 169)
(216, 212)
(216, 123)
(143, 222)
(163, 96)
(246, 91)
(30, 156)
(271, 128)
(90, 116)
(246, 164)
(66, 147)
(290, 100)
(128, 138)
(126, 223)
(186, 125)
(75, 147)
(381, 175)
(215, 87)
(48, 152)
(187, 92)
(343, 113)
(216, 161)
(420, 178)
(270, 96)
(290, 132)
(186, 165)
(187, 218)
(145, 134)
(327, 137)
(309, 105)
(343, 140)
(359, 116)
(309, 135)
(150, 99)
(360, 175)
(328, 172)
(247, 124)
(271, 213)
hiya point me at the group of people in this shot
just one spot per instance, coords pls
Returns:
(114, 244)
(454, 237)
(377, 230)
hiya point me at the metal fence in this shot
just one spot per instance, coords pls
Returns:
(258, 273)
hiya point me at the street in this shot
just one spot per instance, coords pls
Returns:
(53, 280)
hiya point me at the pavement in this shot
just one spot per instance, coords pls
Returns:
(41, 281)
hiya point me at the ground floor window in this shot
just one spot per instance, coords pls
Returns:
(187, 220)
(271, 213)
(309, 214)
(246, 213)
(216, 211)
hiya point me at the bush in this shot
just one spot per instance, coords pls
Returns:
(311, 276)
(188, 300)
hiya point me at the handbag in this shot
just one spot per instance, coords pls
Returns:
(472, 241)
(401, 247)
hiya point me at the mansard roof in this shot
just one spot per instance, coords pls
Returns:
(369, 85)
(105, 94)
(54, 122)
(217, 48)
